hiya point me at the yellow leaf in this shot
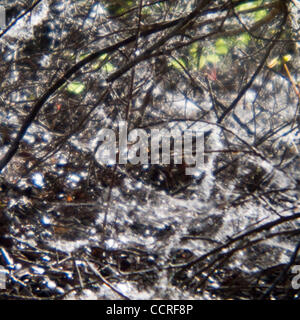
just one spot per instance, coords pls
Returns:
(274, 62)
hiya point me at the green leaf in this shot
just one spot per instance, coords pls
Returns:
(103, 56)
(213, 58)
(195, 51)
(202, 62)
(248, 5)
(178, 63)
(82, 56)
(260, 14)
(244, 38)
(221, 47)
(256, 15)
(108, 67)
(118, 7)
(75, 87)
